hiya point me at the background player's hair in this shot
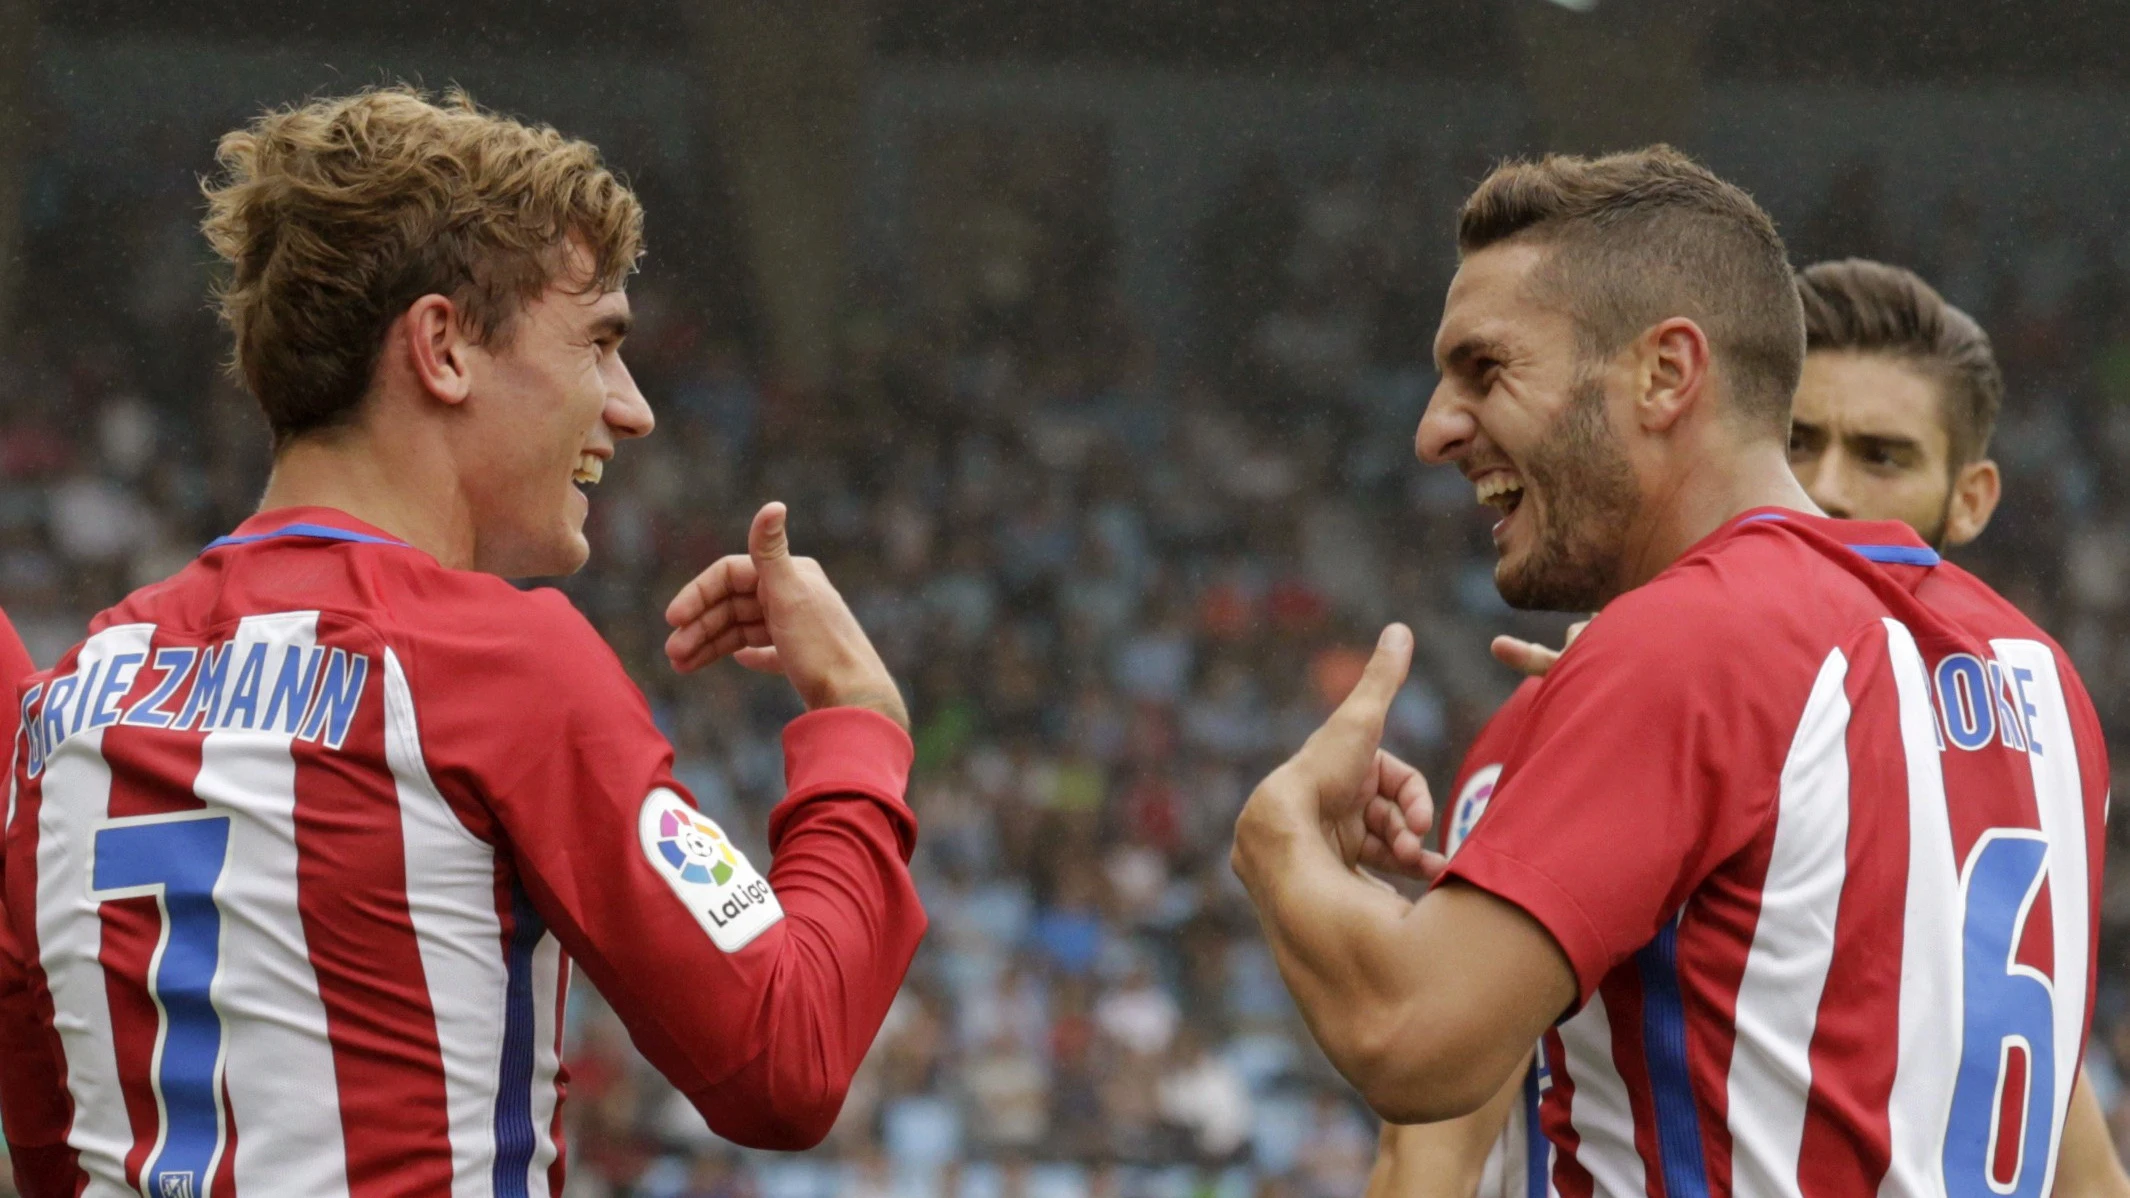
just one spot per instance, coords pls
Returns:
(1650, 234)
(1871, 307)
(337, 214)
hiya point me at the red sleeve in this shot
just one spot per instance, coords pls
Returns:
(757, 998)
(1480, 773)
(34, 1109)
(1645, 763)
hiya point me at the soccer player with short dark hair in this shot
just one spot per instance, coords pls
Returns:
(307, 839)
(1794, 861)
(1892, 421)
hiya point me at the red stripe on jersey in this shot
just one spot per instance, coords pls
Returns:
(351, 890)
(56, 1167)
(1570, 1178)
(1715, 934)
(1622, 992)
(132, 928)
(557, 1170)
(1848, 1138)
(224, 1184)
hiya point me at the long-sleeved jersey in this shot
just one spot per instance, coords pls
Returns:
(304, 841)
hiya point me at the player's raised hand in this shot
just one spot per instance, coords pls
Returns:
(1531, 658)
(779, 614)
(1374, 809)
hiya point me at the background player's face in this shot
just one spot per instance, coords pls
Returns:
(1529, 422)
(554, 393)
(1868, 441)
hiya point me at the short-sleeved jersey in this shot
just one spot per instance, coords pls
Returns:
(307, 838)
(1519, 1164)
(1817, 820)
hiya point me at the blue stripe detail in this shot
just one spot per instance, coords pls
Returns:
(512, 1174)
(1664, 1045)
(1897, 555)
(1536, 1158)
(1757, 516)
(324, 532)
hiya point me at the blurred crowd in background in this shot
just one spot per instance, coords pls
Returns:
(1119, 583)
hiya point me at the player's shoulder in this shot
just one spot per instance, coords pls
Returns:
(482, 623)
(1976, 607)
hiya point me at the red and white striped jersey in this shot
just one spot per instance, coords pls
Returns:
(302, 844)
(1817, 820)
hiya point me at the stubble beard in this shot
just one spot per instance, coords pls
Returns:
(1590, 500)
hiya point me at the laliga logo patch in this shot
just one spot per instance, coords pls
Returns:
(708, 873)
(1471, 804)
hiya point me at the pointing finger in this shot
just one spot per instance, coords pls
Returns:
(1371, 697)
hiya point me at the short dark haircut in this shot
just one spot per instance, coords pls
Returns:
(1870, 307)
(1647, 235)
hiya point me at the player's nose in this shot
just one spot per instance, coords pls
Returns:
(1447, 428)
(628, 413)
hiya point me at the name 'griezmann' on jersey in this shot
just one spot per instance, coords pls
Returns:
(304, 843)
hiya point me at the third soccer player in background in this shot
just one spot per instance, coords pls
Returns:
(1892, 421)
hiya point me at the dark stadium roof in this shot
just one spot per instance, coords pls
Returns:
(2035, 41)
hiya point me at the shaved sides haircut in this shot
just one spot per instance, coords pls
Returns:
(1641, 237)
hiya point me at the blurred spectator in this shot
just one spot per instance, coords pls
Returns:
(1119, 588)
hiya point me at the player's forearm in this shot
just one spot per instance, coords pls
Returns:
(1343, 948)
(1446, 1159)
(2087, 1166)
(852, 923)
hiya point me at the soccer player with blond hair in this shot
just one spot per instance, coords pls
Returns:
(307, 840)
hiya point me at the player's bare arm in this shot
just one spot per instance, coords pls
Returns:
(1445, 1159)
(1426, 1007)
(2086, 1166)
(779, 614)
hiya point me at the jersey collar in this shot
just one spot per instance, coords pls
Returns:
(317, 523)
(1885, 542)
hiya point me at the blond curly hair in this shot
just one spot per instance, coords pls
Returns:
(336, 214)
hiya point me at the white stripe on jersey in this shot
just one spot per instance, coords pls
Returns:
(1931, 1013)
(451, 899)
(2059, 793)
(283, 1096)
(546, 986)
(1599, 1109)
(70, 931)
(1793, 945)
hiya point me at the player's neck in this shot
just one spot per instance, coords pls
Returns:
(397, 489)
(1712, 489)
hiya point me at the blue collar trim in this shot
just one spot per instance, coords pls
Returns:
(1886, 555)
(1898, 555)
(324, 532)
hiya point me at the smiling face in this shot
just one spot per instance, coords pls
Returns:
(1868, 440)
(1528, 422)
(547, 405)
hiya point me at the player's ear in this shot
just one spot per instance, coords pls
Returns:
(437, 341)
(1976, 488)
(1673, 357)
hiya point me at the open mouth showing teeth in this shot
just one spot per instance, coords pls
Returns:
(1501, 491)
(589, 468)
